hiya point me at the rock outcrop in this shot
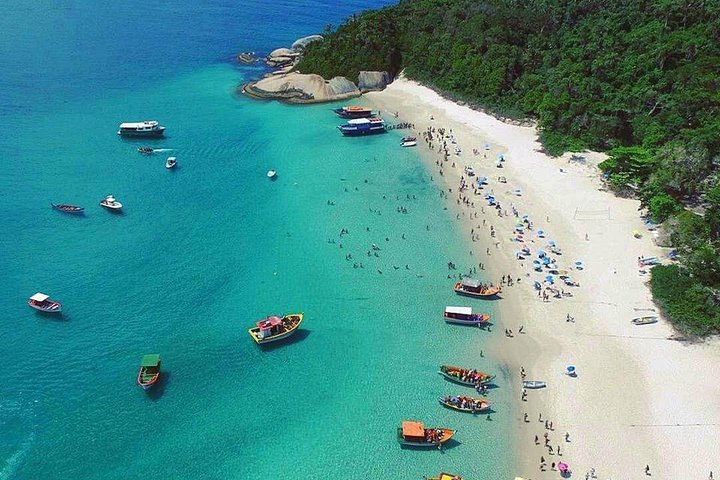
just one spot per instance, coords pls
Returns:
(301, 43)
(302, 88)
(281, 57)
(373, 81)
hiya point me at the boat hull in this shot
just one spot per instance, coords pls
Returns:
(362, 133)
(148, 134)
(475, 322)
(46, 310)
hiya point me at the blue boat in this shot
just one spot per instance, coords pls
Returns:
(363, 126)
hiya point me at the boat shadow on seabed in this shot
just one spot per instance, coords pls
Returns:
(299, 336)
(158, 390)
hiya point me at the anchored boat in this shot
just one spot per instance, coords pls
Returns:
(363, 126)
(465, 404)
(149, 372)
(414, 434)
(44, 303)
(353, 111)
(274, 328)
(148, 128)
(475, 288)
(110, 203)
(465, 376)
(408, 142)
(464, 316)
(67, 208)
(446, 476)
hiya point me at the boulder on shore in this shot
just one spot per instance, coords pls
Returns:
(303, 42)
(373, 81)
(302, 88)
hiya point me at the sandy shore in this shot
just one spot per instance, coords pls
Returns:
(641, 397)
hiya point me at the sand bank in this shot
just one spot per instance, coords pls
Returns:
(641, 397)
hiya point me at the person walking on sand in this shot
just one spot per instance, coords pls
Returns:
(537, 440)
(647, 470)
(567, 437)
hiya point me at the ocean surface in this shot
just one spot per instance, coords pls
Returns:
(200, 253)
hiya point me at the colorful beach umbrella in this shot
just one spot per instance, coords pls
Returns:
(571, 368)
(563, 467)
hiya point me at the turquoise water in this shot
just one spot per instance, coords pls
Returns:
(203, 251)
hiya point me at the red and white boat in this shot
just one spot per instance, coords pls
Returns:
(44, 303)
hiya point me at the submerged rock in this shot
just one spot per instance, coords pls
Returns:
(302, 88)
(373, 81)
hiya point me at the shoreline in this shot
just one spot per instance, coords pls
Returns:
(621, 412)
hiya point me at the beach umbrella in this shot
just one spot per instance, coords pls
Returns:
(550, 279)
(541, 233)
(579, 265)
(542, 253)
(500, 157)
(487, 146)
(551, 243)
(571, 368)
(563, 467)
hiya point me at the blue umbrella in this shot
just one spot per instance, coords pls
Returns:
(541, 253)
(487, 146)
(551, 243)
(500, 157)
(549, 279)
(570, 368)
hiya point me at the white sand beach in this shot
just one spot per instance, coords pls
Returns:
(642, 396)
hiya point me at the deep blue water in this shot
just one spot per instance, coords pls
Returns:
(201, 252)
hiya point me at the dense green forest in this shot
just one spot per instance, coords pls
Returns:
(636, 78)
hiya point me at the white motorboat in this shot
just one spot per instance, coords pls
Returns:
(271, 174)
(647, 320)
(171, 162)
(148, 128)
(110, 203)
(408, 142)
(533, 384)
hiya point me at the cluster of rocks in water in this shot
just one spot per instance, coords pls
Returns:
(291, 86)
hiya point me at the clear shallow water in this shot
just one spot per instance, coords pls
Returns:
(203, 251)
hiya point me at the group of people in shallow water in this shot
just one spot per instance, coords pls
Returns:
(466, 403)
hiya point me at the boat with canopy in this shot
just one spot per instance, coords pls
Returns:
(44, 303)
(274, 328)
(464, 316)
(149, 372)
(465, 376)
(475, 288)
(415, 434)
(446, 476)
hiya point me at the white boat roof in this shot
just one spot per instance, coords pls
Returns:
(363, 121)
(39, 297)
(146, 123)
(459, 310)
(171, 158)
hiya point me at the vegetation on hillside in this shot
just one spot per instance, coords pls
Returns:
(637, 78)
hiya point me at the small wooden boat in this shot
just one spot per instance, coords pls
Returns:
(446, 476)
(67, 208)
(647, 320)
(475, 288)
(274, 328)
(271, 174)
(533, 384)
(464, 316)
(465, 404)
(465, 376)
(145, 150)
(171, 162)
(149, 372)
(414, 434)
(44, 303)
(408, 142)
(110, 203)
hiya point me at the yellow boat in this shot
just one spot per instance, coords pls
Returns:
(273, 328)
(446, 476)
